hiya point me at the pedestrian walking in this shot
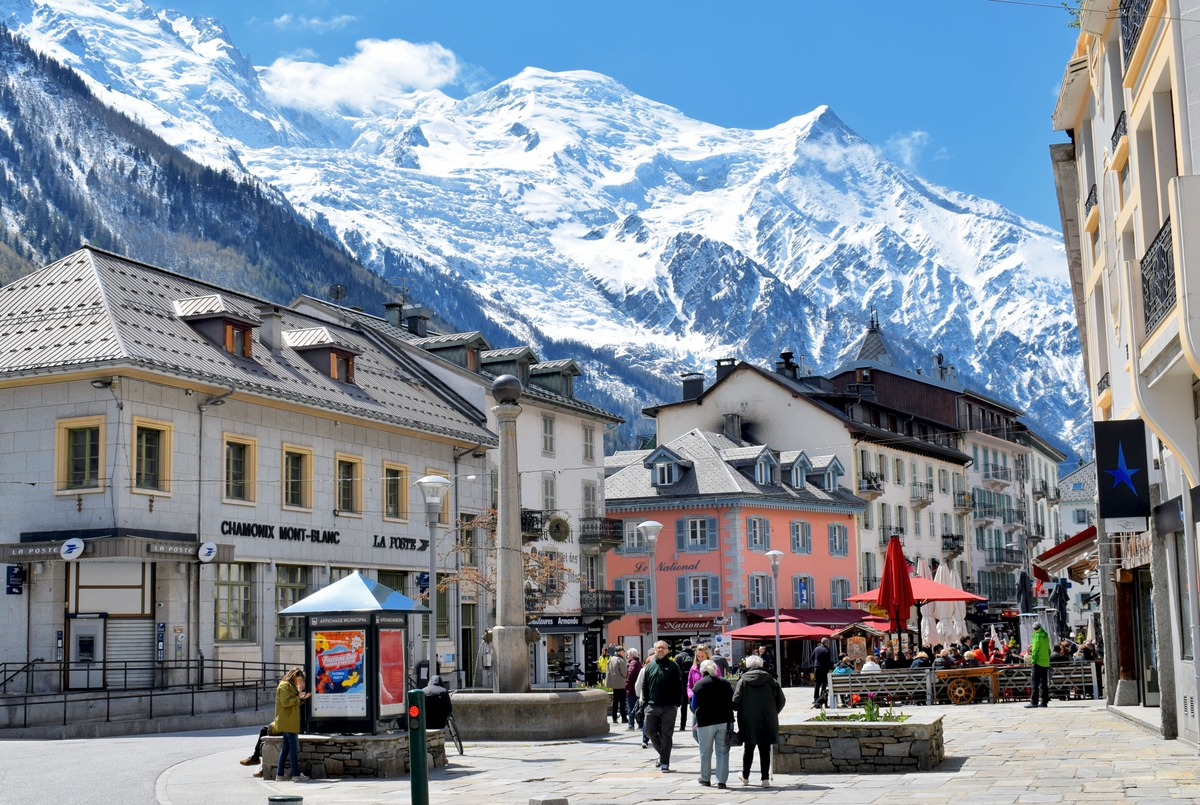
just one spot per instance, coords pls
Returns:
(722, 661)
(822, 666)
(757, 701)
(288, 697)
(616, 678)
(662, 689)
(712, 698)
(602, 661)
(685, 661)
(694, 675)
(1039, 658)
(631, 695)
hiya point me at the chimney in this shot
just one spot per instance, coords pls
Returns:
(416, 319)
(270, 333)
(391, 312)
(693, 385)
(785, 365)
(732, 427)
(725, 366)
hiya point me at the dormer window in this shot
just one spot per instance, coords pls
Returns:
(830, 484)
(664, 473)
(763, 472)
(341, 367)
(237, 339)
(798, 477)
(330, 356)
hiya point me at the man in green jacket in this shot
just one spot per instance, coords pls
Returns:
(662, 690)
(1039, 658)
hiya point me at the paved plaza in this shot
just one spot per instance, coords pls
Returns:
(1070, 752)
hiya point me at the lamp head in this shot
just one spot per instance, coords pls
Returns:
(649, 531)
(775, 556)
(433, 488)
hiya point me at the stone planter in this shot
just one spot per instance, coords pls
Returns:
(323, 756)
(858, 747)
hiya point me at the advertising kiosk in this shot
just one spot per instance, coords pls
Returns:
(356, 638)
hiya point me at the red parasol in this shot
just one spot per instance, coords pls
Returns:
(923, 591)
(896, 589)
(788, 630)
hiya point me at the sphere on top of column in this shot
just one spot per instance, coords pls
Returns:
(506, 389)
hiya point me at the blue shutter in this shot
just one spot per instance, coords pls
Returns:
(796, 592)
(833, 593)
(714, 540)
(681, 534)
(766, 524)
(832, 541)
(619, 585)
(714, 592)
(794, 535)
(681, 592)
(770, 591)
(748, 519)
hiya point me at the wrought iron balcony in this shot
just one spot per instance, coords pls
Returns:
(1016, 515)
(887, 532)
(1133, 18)
(1004, 557)
(969, 587)
(953, 543)
(605, 532)
(869, 583)
(997, 472)
(983, 511)
(963, 500)
(534, 522)
(1158, 278)
(1120, 130)
(920, 494)
(1037, 531)
(602, 602)
(870, 484)
(1103, 384)
(1052, 494)
(1092, 200)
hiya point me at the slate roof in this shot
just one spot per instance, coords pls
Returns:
(1085, 475)
(93, 308)
(872, 346)
(711, 476)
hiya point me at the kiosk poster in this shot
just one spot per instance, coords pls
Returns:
(392, 681)
(338, 658)
(856, 648)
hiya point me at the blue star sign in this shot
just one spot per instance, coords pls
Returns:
(1123, 474)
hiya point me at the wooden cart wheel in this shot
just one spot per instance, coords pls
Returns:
(961, 691)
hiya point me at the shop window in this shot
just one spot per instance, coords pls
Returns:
(232, 611)
(291, 585)
(349, 485)
(395, 492)
(297, 477)
(394, 580)
(240, 468)
(79, 444)
(152, 456)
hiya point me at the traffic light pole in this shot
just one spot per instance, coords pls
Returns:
(418, 764)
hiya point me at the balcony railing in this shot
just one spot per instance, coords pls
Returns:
(1004, 556)
(603, 531)
(1158, 278)
(953, 543)
(963, 500)
(534, 522)
(1015, 515)
(1052, 494)
(1037, 531)
(969, 587)
(887, 532)
(921, 493)
(602, 602)
(983, 511)
(871, 483)
(1091, 201)
(1103, 384)
(1133, 17)
(997, 472)
(1120, 130)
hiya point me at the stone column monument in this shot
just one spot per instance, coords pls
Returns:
(510, 668)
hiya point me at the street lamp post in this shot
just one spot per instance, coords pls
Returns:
(649, 531)
(433, 489)
(775, 556)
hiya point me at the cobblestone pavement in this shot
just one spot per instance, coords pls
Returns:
(1070, 752)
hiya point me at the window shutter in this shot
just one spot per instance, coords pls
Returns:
(681, 534)
(748, 522)
(770, 591)
(832, 542)
(681, 592)
(618, 585)
(796, 592)
(750, 591)
(714, 592)
(766, 527)
(833, 593)
(714, 541)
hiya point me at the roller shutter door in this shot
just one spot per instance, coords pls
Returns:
(130, 640)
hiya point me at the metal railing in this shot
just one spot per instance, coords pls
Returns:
(534, 521)
(602, 602)
(887, 532)
(953, 543)
(921, 492)
(1052, 493)
(1040, 488)
(1133, 18)
(1091, 201)
(1119, 130)
(984, 511)
(964, 500)
(870, 482)
(62, 693)
(1004, 556)
(1158, 278)
(869, 583)
(601, 531)
(997, 472)
(1104, 383)
(1037, 531)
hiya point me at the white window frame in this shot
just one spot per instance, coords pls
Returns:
(698, 584)
(634, 541)
(756, 534)
(664, 473)
(640, 602)
(697, 527)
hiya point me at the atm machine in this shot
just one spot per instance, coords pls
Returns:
(85, 667)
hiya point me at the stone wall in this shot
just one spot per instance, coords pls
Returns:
(324, 756)
(843, 747)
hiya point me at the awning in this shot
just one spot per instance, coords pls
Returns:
(831, 618)
(788, 630)
(122, 548)
(1076, 556)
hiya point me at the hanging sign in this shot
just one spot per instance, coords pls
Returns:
(1122, 472)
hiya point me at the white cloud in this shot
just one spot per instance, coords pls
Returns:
(289, 22)
(906, 147)
(373, 78)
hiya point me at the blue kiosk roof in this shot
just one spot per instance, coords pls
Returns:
(355, 593)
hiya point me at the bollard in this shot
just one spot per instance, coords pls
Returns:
(418, 764)
(285, 798)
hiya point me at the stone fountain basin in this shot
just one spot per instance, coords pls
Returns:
(858, 747)
(538, 716)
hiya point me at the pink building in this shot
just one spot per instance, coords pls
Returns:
(723, 506)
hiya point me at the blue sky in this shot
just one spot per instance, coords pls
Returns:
(960, 90)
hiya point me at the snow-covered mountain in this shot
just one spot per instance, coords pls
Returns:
(574, 210)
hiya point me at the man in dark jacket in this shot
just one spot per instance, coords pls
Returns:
(684, 660)
(822, 665)
(758, 699)
(437, 704)
(662, 688)
(636, 715)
